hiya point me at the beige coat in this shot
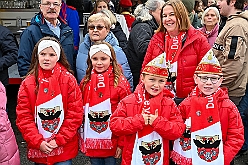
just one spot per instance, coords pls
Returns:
(231, 50)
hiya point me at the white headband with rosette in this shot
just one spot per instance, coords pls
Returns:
(49, 43)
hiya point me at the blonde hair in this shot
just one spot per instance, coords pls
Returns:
(110, 15)
(116, 67)
(100, 17)
(181, 14)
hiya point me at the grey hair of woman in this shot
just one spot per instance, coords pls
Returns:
(152, 5)
(142, 13)
(207, 10)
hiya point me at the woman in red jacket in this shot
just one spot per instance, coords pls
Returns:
(183, 45)
(103, 87)
(49, 106)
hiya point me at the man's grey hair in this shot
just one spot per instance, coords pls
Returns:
(152, 5)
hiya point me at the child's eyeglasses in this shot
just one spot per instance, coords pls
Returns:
(98, 27)
(204, 79)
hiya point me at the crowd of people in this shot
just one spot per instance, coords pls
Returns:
(153, 82)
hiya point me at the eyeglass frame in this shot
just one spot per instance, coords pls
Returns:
(204, 81)
(98, 27)
(49, 4)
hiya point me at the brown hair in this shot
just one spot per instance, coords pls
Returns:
(181, 14)
(116, 67)
(96, 5)
(34, 66)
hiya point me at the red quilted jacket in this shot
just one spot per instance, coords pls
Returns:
(116, 94)
(194, 48)
(127, 121)
(67, 135)
(231, 124)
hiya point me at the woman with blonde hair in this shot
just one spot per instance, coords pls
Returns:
(99, 30)
(183, 45)
(49, 106)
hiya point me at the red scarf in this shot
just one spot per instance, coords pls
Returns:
(49, 110)
(97, 106)
(148, 139)
(173, 47)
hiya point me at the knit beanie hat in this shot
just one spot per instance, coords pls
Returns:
(189, 4)
(125, 3)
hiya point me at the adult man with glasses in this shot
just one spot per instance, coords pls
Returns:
(46, 23)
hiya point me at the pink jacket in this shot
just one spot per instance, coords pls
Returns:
(9, 153)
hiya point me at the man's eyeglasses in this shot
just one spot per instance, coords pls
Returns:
(98, 27)
(49, 4)
(204, 79)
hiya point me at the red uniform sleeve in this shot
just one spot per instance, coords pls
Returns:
(169, 127)
(25, 118)
(121, 124)
(235, 135)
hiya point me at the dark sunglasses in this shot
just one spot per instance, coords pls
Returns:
(98, 27)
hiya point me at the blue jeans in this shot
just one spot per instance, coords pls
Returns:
(243, 108)
(103, 161)
(68, 162)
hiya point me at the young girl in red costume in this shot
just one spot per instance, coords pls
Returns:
(103, 87)
(49, 106)
(214, 131)
(148, 118)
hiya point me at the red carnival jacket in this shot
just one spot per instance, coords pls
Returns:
(231, 124)
(127, 121)
(194, 48)
(116, 94)
(73, 107)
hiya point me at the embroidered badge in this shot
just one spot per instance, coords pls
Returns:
(99, 120)
(151, 151)
(207, 147)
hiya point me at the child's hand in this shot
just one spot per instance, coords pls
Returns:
(153, 117)
(146, 118)
(46, 147)
(118, 152)
(53, 144)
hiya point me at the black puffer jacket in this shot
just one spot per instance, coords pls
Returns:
(121, 36)
(138, 41)
(8, 53)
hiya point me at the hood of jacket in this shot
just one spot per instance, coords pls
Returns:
(243, 14)
(152, 23)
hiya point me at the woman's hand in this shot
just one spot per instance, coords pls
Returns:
(118, 152)
(46, 147)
